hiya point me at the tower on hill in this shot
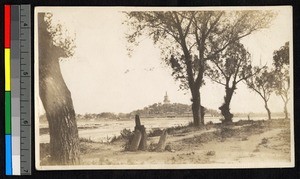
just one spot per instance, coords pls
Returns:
(166, 99)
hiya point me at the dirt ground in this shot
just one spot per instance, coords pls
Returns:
(243, 142)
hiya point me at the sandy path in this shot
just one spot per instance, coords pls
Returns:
(231, 151)
(241, 145)
(256, 148)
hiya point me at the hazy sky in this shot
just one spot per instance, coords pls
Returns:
(103, 78)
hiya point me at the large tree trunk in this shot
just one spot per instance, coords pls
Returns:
(194, 87)
(197, 110)
(194, 84)
(57, 102)
(225, 108)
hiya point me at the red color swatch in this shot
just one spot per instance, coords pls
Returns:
(6, 26)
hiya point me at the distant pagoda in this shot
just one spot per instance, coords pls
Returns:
(166, 99)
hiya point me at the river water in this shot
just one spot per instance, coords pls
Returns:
(103, 130)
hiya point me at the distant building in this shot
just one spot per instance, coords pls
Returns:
(166, 99)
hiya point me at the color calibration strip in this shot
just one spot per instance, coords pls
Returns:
(8, 135)
(17, 32)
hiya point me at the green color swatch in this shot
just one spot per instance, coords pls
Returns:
(7, 112)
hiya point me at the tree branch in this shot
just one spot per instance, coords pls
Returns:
(246, 77)
(213, 24)
(188, 26)
(223, 73)
(257, 91)
(225, 46)
(237, 70)
(219, 82)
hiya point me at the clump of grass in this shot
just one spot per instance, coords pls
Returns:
(171, 130)
(202, 138)
(244, 138)
(209, 123)
(243, 122)
(190, 124)
(256, 150)
(127, 135)
(264, 141)
(155, 132)
(84, 148)
(87, 140)
(243, 129)
(227, 132)
(152, 147)
(211, 153)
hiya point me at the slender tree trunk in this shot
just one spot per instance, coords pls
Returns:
(285, 109)
(225, 108)
(268, 110)
(57, 102)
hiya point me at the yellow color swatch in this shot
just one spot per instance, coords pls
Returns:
(7, 68)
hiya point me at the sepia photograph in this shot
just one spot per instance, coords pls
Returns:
(163, 87)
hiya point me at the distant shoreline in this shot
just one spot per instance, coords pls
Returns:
(99, 129)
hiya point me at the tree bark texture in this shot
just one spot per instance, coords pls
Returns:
(197, 109)
(57, 102)
(225, 108)
(268, 110)
(194, 86)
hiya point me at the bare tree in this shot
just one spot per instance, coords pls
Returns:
(282, 65)
(188, 39)
(230, 68)
(263, 84)
(54, 93)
